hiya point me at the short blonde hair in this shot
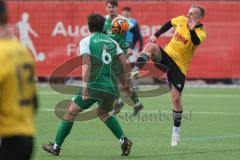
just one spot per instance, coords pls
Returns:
(200, 8)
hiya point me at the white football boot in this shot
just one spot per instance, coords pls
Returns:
(175, 140)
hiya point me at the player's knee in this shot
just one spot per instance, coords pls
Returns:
(73, 110)
(153, 46)
(103, 115)
(150, 48)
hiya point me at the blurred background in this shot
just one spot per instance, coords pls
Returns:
(52, 30)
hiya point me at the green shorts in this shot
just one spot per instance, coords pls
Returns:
(105, 100)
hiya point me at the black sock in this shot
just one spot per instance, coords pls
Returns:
(135, 98)
(177, 117)
(142, 60)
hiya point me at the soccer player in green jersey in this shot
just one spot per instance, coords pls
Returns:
(112, 9)
(98, 53)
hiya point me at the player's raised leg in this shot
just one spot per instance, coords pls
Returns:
(151, 50)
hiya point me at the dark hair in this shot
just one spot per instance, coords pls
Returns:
(126, 8)
(96, 22)
(3, 12)
(112, 2)
(201, 9)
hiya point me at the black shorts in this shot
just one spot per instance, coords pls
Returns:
(16, 148)
(175, 76)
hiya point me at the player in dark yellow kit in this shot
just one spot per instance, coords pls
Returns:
(176, 56)
(17, 95)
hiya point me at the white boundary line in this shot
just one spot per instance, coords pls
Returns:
(185, 94)
(163, 112)
(155, 139)
(231, 86)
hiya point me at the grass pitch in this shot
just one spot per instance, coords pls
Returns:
(210, 129)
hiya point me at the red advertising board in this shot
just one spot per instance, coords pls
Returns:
(52, 30)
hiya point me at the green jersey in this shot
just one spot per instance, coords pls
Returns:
(103, 52)
(119, 38)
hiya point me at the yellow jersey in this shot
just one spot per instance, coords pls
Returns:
(181, 48)
(17, 89)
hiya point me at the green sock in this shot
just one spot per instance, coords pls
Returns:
(135, 98)
(114, 126)
(63, 131)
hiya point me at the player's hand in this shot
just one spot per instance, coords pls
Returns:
(192, 22)
(152, 39)
(85, 95)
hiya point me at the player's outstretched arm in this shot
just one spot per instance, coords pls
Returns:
(162, 30)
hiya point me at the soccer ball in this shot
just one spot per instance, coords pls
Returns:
(119, 25)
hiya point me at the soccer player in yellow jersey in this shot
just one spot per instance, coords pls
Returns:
(176, 56)
(17, 95)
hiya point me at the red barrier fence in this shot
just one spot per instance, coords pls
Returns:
(55, 28)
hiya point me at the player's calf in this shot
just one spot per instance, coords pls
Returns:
(113, 124)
